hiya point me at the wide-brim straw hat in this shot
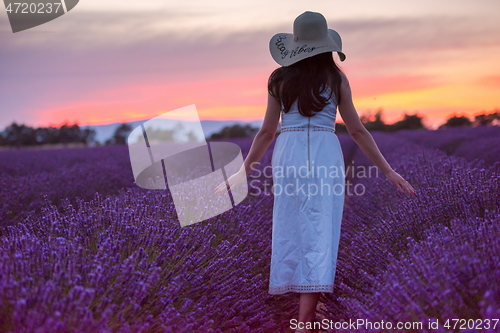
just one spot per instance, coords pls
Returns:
(310, 36)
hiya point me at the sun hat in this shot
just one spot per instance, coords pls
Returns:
(310, 36)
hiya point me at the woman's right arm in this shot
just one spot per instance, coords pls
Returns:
(364, 139)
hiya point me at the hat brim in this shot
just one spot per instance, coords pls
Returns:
(285, 51)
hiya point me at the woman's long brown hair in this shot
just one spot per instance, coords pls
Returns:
(305, 81)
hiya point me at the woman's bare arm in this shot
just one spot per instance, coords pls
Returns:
(364, 139)
(259, 146)
(266, 133)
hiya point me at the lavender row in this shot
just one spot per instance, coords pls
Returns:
(472, 143)
(446, 276)
(381, 223)
(124, 264)
(26, 176)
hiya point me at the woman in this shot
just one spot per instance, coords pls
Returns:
(308, 165)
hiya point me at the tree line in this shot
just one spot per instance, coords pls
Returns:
(16, 135)
(375, 123)
(19, 135)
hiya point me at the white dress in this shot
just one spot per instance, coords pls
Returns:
(308, 202)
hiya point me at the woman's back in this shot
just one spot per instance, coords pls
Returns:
(323, 118)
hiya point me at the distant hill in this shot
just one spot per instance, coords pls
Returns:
(104, 132)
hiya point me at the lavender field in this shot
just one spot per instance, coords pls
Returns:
(85, 250)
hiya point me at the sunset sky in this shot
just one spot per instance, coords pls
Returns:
(122, 60)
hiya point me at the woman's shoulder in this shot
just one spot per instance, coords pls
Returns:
(343, 76)
(345, 80)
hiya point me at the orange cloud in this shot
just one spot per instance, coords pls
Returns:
(244, 97)
(375, 85)
(492, 81)
(435, 103)
(239, 98)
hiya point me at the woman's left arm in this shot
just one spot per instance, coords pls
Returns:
(260, 143)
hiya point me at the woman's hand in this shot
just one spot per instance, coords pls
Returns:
(400, 183)
(236, 179)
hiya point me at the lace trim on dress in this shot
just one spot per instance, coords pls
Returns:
(314, 128)
(293, 128)
(321, 128)
(327, 288)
